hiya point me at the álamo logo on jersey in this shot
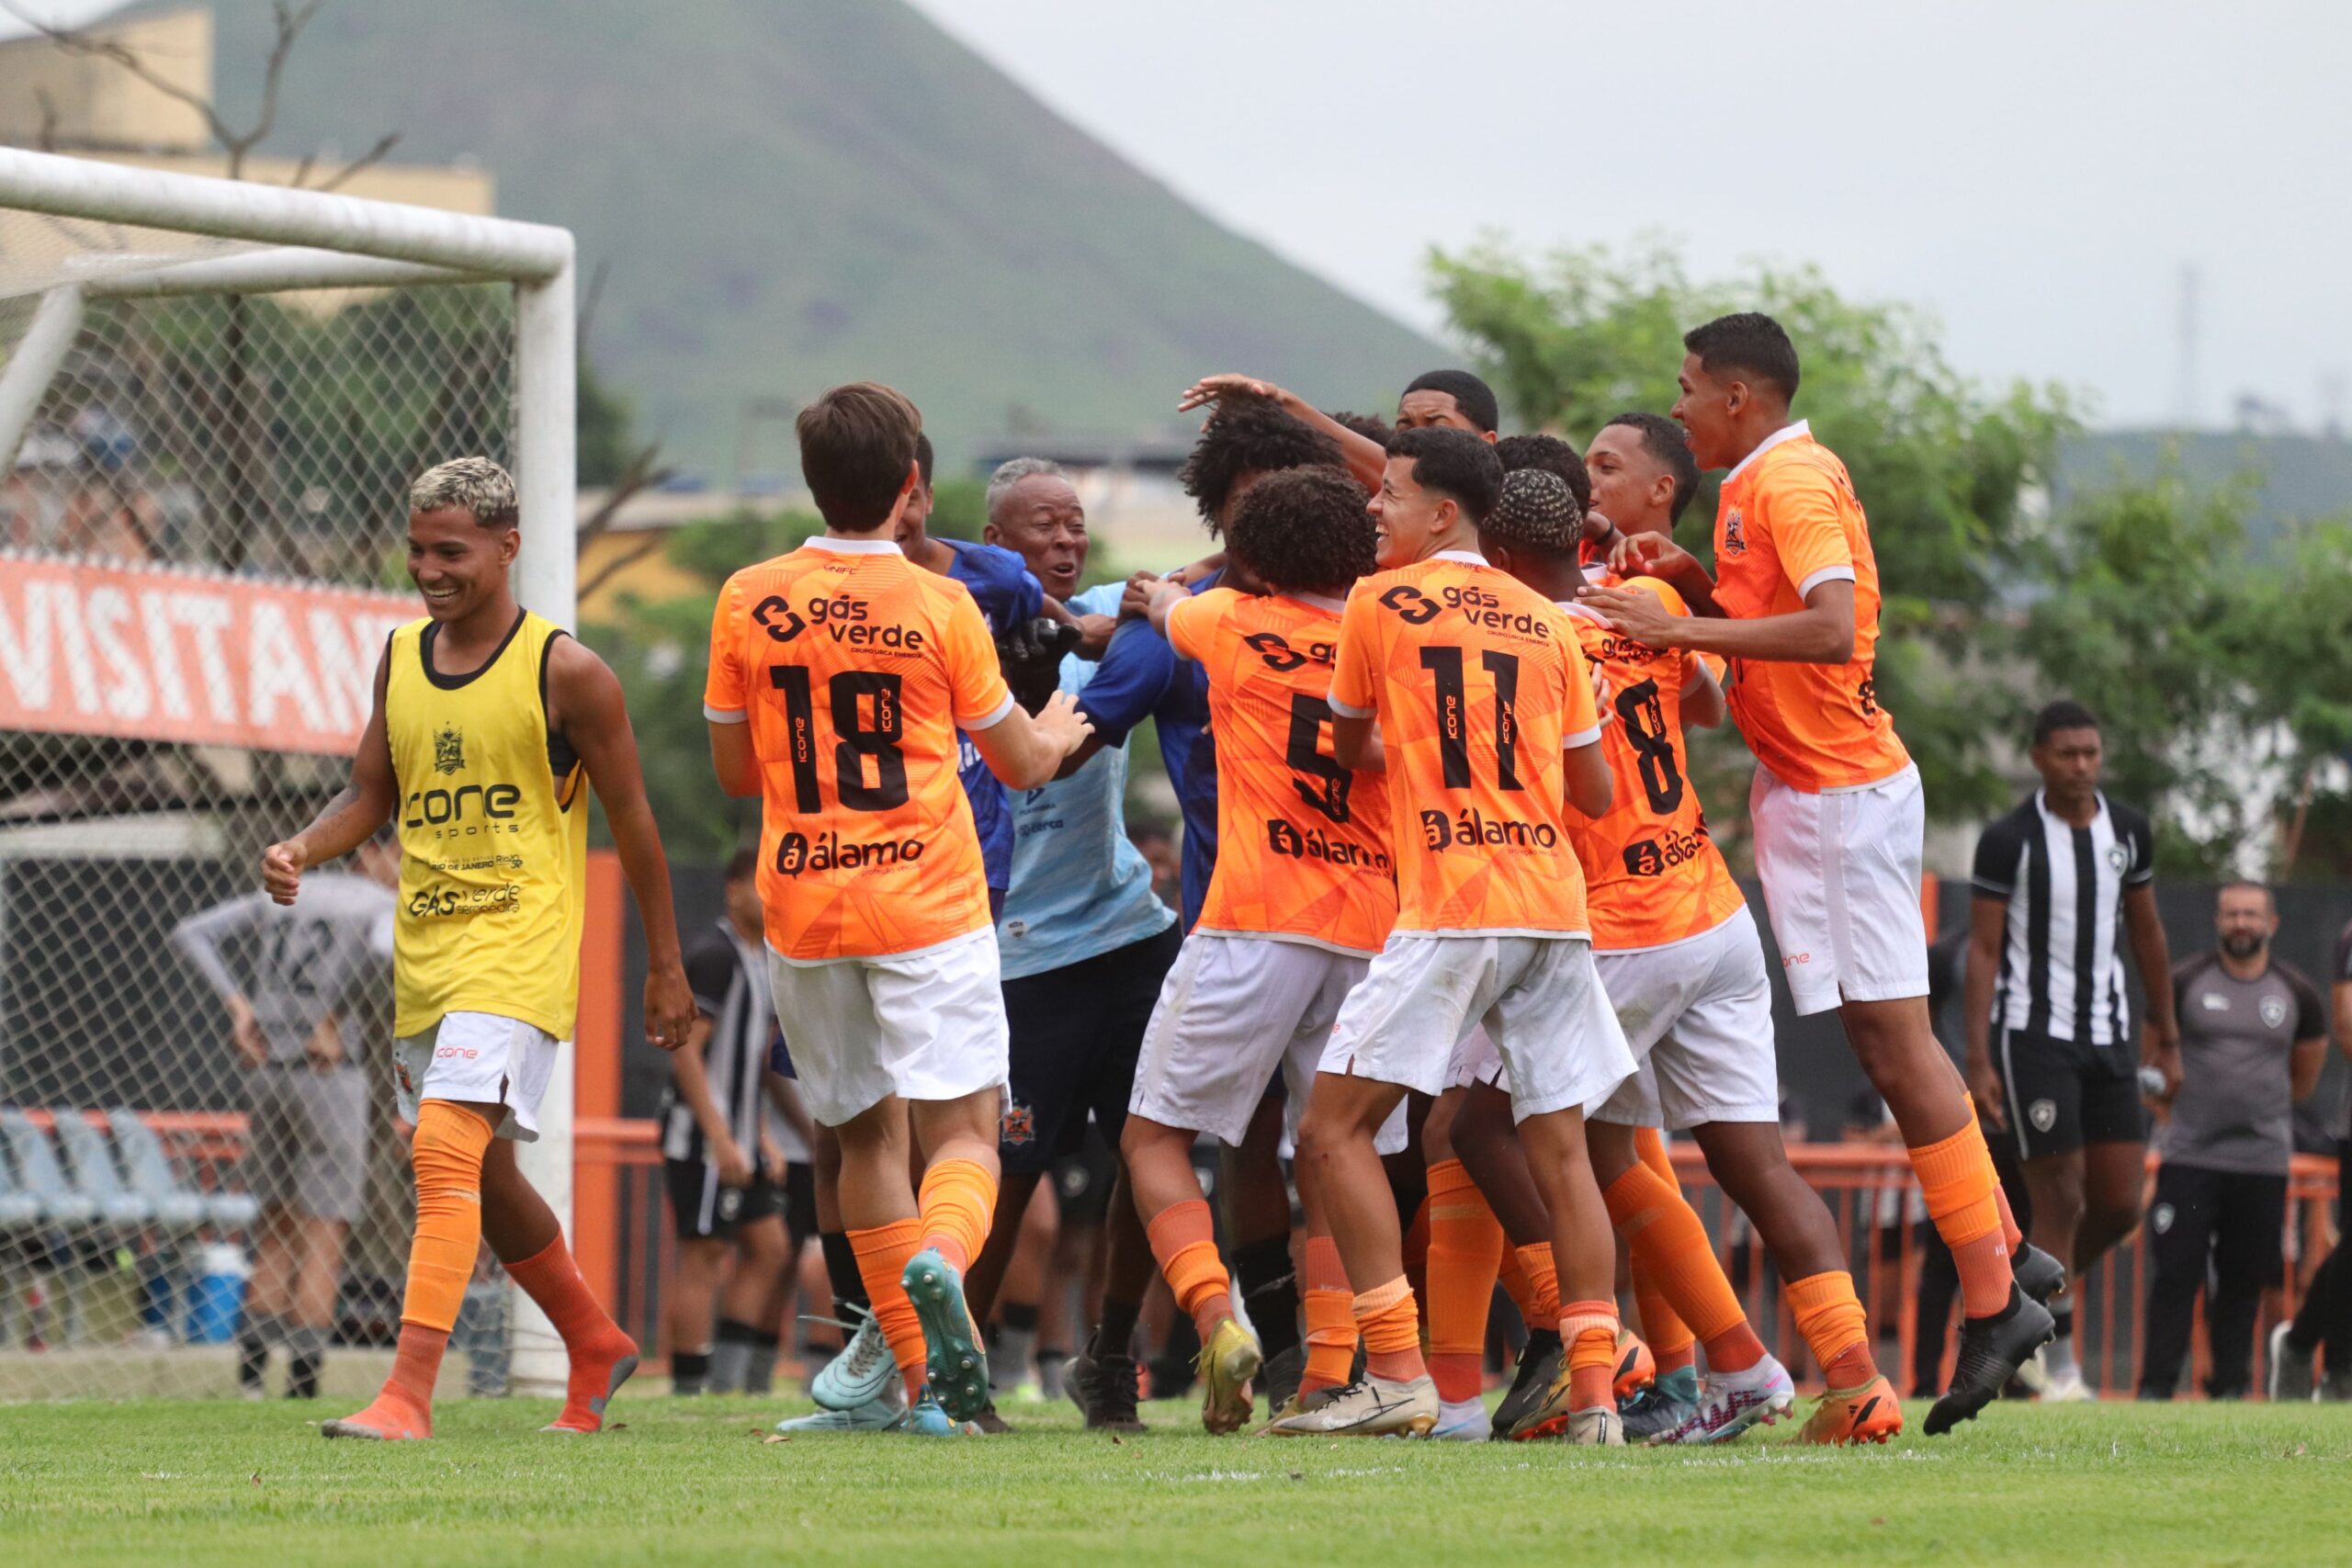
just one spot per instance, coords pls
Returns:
(796, 852)
(1284, 838)
(1471, 828)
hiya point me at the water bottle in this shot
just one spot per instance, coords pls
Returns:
(217, 1298)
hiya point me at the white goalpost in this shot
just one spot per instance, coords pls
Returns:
(210, 395)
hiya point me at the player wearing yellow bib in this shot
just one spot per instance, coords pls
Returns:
(489, 723)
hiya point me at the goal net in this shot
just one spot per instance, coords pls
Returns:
(211, 400)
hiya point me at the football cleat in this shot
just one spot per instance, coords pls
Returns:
(1991, 1350)
(2038, 1274)
(878, 1414)
(1870, 1414)
(1657, 1410)
(2292, 1374)
(1636, 1365)
(956, 1360)
(1226, 1363)
(864, 1371)
(1539, 1363)
(1730, 1403)
(1373, 1407)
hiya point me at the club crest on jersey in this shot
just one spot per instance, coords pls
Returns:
(1734, 535)
(448, 750)
(2274, 1011)
(2043, 1114)
(2118, 856)
(2162, 1216)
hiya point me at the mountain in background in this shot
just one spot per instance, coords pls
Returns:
(786, 194)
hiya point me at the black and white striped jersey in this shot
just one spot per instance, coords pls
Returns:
(728, 978)
(2062, 971)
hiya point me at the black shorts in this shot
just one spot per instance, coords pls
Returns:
(2064, 1094)
(1076, 1032)
(801, 1200)
(707, 1211)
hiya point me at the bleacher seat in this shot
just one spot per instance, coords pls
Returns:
(39, 1174)
(91, 1165)
(177, 1202)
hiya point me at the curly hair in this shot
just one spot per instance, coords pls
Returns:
(1246, 435)
(1370, 426)
(1552, 455)
(1304, 531)
(1536, 512)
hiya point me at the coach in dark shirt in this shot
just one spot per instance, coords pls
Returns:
(2253, 1038)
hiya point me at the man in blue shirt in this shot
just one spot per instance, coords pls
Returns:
(1084, 945)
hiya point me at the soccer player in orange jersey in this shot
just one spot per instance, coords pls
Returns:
(839, 675)
(1491, 740)
(1837, 806)
(1680, 956)
(1303, 895)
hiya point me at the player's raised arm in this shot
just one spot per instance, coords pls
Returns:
(1363, 455)
(361, 806)
(584, 700)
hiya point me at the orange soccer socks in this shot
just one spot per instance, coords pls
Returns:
(1669, 1242)
(883, 1252)
(1466, 1253)
(1183, 1238)
(1962, 1197)
(1330, 1318)
(958, 1196)
(447, 1155)
(601, 1354)
(1391, 1326)
(1588, 1331)
(1671, 1339)
(1830, 1317)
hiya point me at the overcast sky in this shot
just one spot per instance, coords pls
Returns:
(2038, 174)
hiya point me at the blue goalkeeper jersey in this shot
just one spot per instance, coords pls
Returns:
(1141, 677)
(1001, 583)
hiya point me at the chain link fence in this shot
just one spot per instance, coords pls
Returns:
(202, 526)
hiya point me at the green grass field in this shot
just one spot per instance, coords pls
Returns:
(685, 1481)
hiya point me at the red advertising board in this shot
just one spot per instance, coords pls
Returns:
(157, 654)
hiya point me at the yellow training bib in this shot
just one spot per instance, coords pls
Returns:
(493, 836)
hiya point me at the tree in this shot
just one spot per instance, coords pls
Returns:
(1575, 336)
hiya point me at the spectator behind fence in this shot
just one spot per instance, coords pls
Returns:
(2253, 1038)
(2327, 1315)
(306, 1156)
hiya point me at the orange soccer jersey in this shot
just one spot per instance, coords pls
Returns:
(1302, 843)
(1478, 686)
(1652, 875)
(1788, 521)
(854, 668)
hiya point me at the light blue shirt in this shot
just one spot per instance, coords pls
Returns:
(1080, 888)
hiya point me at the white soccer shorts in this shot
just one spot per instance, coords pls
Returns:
(1537, 996)
(477, 1058)
(1234, 1011)
(922, 1025)
(1841, 882)
(1698, 1016)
